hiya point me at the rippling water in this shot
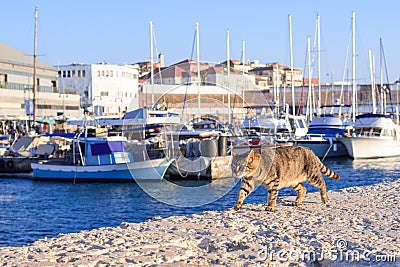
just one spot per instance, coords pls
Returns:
(30, 210)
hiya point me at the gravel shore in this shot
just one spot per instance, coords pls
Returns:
(359, 227)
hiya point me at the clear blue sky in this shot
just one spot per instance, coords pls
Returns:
(118, 31)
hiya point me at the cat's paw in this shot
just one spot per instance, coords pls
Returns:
(236, 207)
(270, 209)
(296, 203)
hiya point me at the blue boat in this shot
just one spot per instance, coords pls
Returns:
(108, 159)
(322, 136)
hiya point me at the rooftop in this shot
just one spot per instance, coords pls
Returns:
(11, 55)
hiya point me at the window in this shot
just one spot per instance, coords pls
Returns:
(59, 73)
(79, 73)
(111, 73)
(83, 73)
(98, 73)
(64, 73)
(3, 80)
(68, 73)
(54, 84)
(73, 73)
(103, 93)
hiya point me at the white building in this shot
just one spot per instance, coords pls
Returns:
(16, 88)
(105, 89)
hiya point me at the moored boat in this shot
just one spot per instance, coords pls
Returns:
(101, 159)
(374, 136)
(322, 136)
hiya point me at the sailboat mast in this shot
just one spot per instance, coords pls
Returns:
(310, 105)
(228, 61)
(291, 64)
(151, 64)
(34, 66)
(382, 94)
(244, 60)
(319, 62)
(371, 69)
(198, 65)
(354, 66)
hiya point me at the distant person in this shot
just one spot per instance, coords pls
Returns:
(20, 128)
(37, 129)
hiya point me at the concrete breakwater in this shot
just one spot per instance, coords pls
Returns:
(359, 226)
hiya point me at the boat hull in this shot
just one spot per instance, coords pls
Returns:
(150, 170)
(325, 148)
(370, 147)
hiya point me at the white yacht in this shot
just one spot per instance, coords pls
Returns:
(374, 136)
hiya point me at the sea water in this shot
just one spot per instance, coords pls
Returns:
(31, 210)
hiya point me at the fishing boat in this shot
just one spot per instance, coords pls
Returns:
(106, 159)
(374, 136)
(322, 136)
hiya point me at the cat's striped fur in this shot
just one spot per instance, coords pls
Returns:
(283, 167)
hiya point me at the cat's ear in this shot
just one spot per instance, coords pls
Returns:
(251, 155)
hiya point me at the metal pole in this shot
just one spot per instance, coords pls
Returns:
(319, 63)
(228, 61)
(291, 64)
(310, 110)
(151, 63)
(198, 66)
(34, 67)
(354, 66)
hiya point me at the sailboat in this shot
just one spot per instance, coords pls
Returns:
(375, 135)
(324, 130)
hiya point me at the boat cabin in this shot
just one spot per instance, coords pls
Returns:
(106, 151)
(376, 125)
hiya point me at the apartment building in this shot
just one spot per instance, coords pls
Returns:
(16, 88)
(105, 89)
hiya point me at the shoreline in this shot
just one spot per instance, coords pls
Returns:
(359, 226)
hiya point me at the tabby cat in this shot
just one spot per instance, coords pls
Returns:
(283, 167)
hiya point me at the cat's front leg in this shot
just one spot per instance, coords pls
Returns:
(272, 195)
(245, 190)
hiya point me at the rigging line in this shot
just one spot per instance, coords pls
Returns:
(345, 66)
(387, 75)
(187, 85)
(302, 88)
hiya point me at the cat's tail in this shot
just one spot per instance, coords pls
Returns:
(329, 173)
